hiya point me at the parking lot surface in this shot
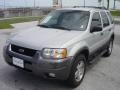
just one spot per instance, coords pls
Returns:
(104, 74)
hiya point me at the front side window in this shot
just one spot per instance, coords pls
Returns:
(105, 19)
(67, 19)
(96, 20)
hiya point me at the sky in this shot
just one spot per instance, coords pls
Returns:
(48, 3)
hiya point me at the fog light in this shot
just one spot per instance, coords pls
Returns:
(52, 75)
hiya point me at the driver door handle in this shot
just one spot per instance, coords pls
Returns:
(101, 33)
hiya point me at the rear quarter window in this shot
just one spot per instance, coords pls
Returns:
(110, 17)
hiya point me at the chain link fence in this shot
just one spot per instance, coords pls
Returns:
(21, 12)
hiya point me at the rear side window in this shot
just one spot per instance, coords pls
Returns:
(105, 19)
(110, 16)
(96, 20)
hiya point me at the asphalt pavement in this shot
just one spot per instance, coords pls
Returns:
(104, 74)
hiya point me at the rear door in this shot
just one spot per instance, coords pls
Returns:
(106, 27)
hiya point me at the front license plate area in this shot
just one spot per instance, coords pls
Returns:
(18, 62)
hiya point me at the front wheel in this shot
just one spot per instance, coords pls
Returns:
(109, 49)
(77, 71)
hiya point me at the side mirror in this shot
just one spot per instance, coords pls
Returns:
(96, 29)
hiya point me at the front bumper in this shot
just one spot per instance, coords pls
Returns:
(61, 68)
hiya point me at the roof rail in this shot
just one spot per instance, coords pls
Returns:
(91, 7)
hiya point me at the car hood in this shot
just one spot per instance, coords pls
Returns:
(38, 38)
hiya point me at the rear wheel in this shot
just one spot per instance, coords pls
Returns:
(77, 71)
(109, 49)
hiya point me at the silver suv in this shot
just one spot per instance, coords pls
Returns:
(63, 43)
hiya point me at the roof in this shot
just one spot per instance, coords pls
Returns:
(84, 9)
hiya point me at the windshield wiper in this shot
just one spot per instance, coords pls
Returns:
(45, 26)
(57, 27)
(60, 27)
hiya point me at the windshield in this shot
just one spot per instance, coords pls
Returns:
(67, 20)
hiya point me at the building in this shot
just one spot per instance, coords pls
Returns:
(57, 3)
(1, 13)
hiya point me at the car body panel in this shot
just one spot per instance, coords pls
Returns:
(73, 41)
(38, 38)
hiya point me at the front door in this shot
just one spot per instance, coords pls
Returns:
(95, 38)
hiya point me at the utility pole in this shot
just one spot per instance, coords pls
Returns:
(108, 3)
(84, 3)
(60, 3)
(103, 3)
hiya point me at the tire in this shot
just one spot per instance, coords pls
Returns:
(76, 75)
(109, 49)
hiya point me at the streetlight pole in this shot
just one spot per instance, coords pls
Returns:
(114, 4)
(34, 3)
(4, 5)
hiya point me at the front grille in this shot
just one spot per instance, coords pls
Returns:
(23, 51)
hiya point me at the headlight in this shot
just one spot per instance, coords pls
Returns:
(54, 53)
